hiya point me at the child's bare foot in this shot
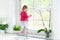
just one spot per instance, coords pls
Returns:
(26, 32)
(22, 32)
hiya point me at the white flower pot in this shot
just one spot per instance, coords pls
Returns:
(17, 32)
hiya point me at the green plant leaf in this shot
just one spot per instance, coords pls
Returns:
(3, 26)
(50, 31)
(17, 28)
(40, 30)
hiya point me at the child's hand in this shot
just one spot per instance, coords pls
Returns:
(30, 15)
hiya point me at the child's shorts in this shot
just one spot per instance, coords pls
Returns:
(24, 24)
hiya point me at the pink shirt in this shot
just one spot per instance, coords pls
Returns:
(24, 16)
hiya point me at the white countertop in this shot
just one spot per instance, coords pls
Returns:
(16, 37)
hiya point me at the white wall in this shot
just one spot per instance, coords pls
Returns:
(3, 8)
(56, 20)
(18, 6)
(8, 10)
(11, 14)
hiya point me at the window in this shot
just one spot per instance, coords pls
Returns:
(41, 12)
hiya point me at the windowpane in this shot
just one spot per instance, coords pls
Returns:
(38, 25)
(34, 8)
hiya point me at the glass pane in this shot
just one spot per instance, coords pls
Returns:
(42, 4)
(45, 3)
(46, 15)
(30, 25)
(46, 24)
(34, 8)
(39, 25)
(29, 3)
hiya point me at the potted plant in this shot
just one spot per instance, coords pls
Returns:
(17, 28)
(47, 32)
(3, 27)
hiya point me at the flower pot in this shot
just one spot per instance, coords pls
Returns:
(17, 32)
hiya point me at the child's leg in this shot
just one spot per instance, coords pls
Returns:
(25, 30)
